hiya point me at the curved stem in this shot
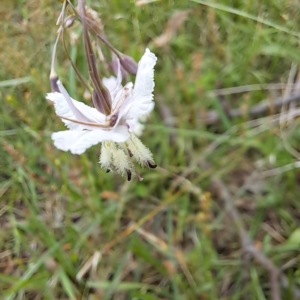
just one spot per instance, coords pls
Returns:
(67, 53)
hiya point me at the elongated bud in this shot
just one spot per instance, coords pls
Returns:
(129, 64)
(97, 102)
(101, 100)
(106, 94)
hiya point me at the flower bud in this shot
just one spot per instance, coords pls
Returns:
(97, 101)
(106, 95)
(129, 64)
(53, 83)
(69, 21)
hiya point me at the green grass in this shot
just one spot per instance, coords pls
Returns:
(58, 210)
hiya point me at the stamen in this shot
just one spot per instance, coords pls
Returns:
(140, 153)
(106, 156)
(138, 175)
(121, 162)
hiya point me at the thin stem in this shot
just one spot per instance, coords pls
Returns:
(91, 62)
(52, 71)
(67, 53)
(118, 53)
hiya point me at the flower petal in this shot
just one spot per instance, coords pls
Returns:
(78, 141)
(76, 112)
(90, 113)
(141, 101)
(62, 109)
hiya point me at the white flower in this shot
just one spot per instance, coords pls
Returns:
(88, 127)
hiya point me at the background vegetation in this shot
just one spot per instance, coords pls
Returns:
(70, 231)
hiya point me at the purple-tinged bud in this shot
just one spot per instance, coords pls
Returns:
(102, 101)
(106, 95)
(54, 86)
(53, 83)
(98, 102)
(129, 64)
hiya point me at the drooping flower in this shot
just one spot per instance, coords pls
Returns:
(88, 126)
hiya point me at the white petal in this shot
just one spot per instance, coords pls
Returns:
(141, 101)
(77, 113)
(114, 86)
(62, 109)
(78, 141)
(63, 140)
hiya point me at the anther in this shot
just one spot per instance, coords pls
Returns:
(128, 175)
(150, 165)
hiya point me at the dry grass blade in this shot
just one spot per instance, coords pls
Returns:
(286, 115)
(275, 276)
(212, 117)
(171, 28)
(133, 227)
(162, 245)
